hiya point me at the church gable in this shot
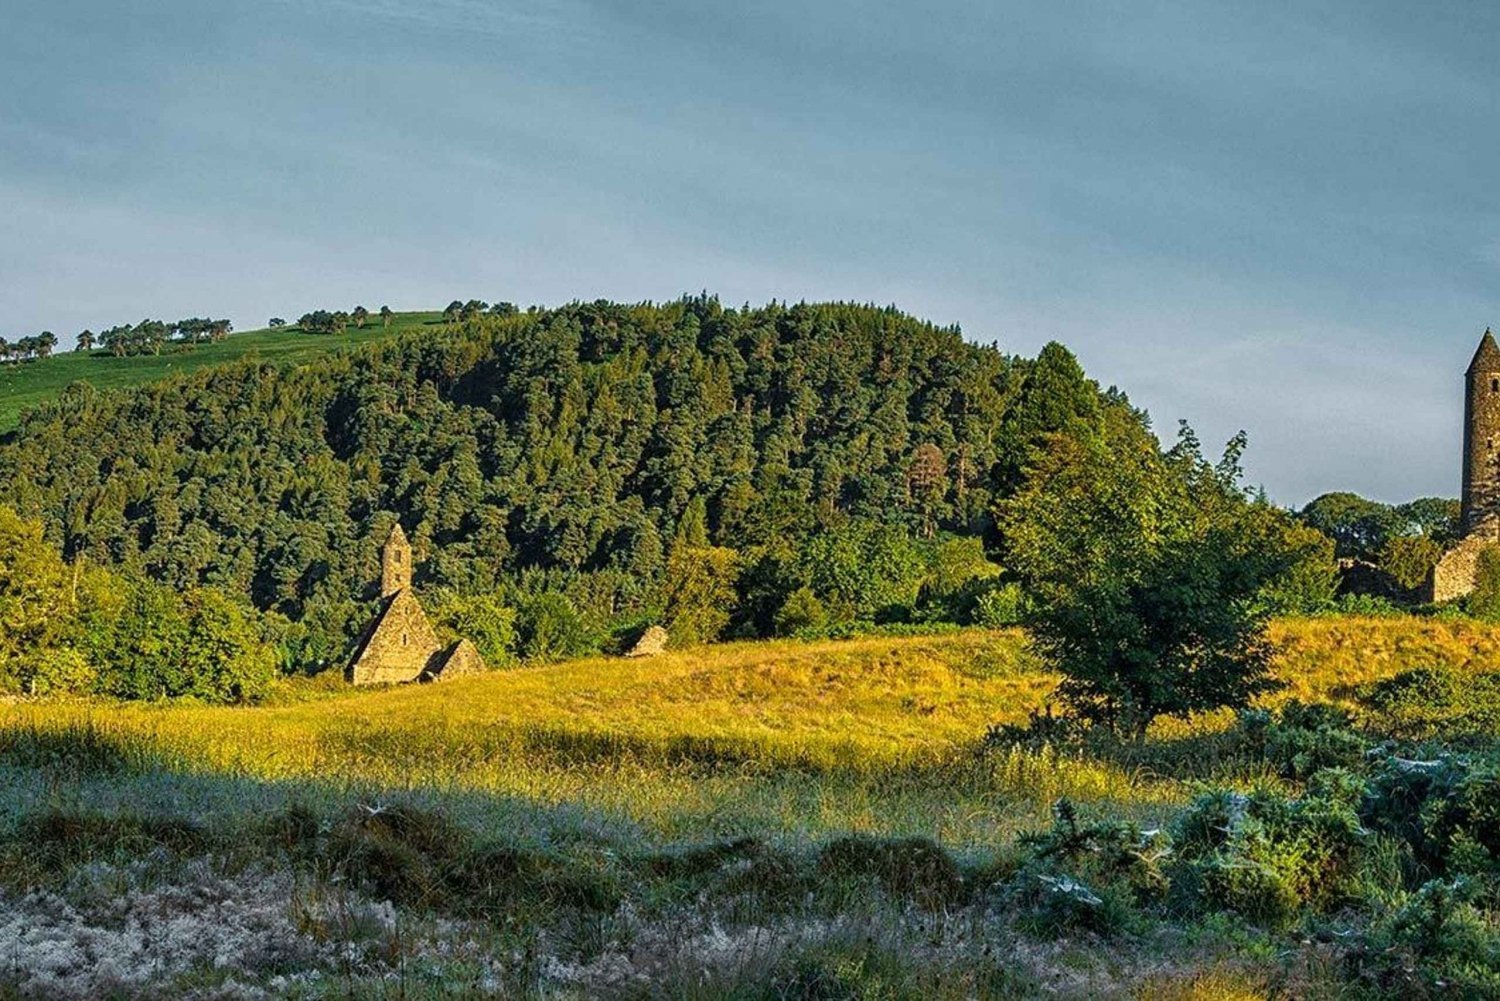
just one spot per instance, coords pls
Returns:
(399, 646)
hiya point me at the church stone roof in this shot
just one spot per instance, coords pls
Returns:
(1487, 357)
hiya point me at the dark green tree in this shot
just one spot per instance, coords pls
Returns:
(1147, 569)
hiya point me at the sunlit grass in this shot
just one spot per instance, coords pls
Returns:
(790, 739)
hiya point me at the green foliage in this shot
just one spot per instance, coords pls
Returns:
(802, 612)
(160, 645)
(866, 571)
(39, 601)
(1087, 877)
(1149, 572)
(1310, 585)
(1431, 702)
(1301, 740)
(574, 444)
(1268, 857)
(1410, 559)
(959, 575)
(58, 670)
(550, 628)
(483, 619)
(698, 592)
(1358, 527)
(1484, 601)
(1000, 606)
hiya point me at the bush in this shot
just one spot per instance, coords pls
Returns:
(483, 619)
(802, 612)
(999, 606)
(1302, 739)
(866, 571)
(1484, 601)
(1431, 702)
(1439, 943)
(915, 868)
(1268, 857)
(697, 593)
(58, 671)
(550, 628)
(199, 644)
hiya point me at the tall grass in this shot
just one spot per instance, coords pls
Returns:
(876, 734)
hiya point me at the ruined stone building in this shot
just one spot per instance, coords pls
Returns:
(400, 644)
(1455, 573)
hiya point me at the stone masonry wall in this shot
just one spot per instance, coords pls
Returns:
(1455, 573)
(401, 647)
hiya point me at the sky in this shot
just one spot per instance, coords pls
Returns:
(1282, 217)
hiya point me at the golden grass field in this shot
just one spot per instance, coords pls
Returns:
(623, 770)
(786, 738)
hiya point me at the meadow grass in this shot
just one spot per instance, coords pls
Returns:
(706, 823)
(24, 385)
(786, 738)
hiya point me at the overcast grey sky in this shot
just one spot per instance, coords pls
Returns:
(1277, 216)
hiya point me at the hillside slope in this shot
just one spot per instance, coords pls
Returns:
(28, 384)
(576, 443)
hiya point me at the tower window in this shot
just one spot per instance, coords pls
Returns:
(405, 639)
(396, 557)
(1495, 385)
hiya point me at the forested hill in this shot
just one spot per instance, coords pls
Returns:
(564, 447)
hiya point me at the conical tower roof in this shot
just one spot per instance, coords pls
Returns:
(398, 537)
(1487, 357)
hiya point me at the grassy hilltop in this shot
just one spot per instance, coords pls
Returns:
(27, 384)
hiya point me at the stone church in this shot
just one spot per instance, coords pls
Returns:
(1454, 575)
(400, 644)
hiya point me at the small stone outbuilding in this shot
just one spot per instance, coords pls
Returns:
(400, 644)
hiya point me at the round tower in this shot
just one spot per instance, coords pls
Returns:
(1481, 496)
(395, 563)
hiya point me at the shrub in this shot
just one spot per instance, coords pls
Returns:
(999, 606)
(1410, 559)
(1268, 857)
(57, 671)
(1104, 853)
(1431, 702)
(1412, 801)
(915, 868)
(866, 571)
(1438, 943)
(199, 644)
(1484, 600)
(1302, 739)
(697, 592)
(802, 612)
(1370, 605)
(483, 619)
(550, 628)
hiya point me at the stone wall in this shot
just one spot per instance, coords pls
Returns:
(1455, 573)
(459, 660)
(400, 646)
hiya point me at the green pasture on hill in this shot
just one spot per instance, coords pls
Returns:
(27, 384)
